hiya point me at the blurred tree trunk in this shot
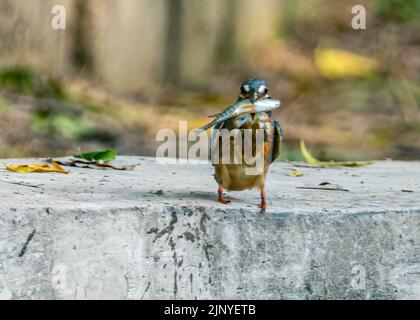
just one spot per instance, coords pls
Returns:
(173, 47)
(288, 18)
(226, 38)
(81, 51)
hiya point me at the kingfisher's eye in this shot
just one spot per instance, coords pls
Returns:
(262, 89)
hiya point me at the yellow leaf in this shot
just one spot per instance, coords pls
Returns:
(27, 168)
(335, 63)
(295, 173)
(311, 160)
(306, 155)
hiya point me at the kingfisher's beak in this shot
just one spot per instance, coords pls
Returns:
(252, 96)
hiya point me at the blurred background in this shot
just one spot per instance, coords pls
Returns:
(123, 69)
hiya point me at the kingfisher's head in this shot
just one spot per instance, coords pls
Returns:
(253, 89)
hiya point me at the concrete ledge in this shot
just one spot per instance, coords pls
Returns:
(113, 234)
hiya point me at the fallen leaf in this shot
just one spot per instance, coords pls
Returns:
(158, 193)
(101, 155)
(27, 168)
(107, 165)
(311, 160)
(324, 183)
(323, 188)
(295, 173)
(91, 164)
(334, 63)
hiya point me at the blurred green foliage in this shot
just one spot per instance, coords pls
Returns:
(3, 105)
(43, 122)
(61, 117)
(399, 10)
(23, 80)
(350, 94)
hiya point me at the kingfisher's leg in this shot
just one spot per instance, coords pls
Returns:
(221, 199)
(263, 204)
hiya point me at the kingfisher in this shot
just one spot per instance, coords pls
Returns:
(252, 110)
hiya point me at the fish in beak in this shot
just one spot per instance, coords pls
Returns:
(246, 106)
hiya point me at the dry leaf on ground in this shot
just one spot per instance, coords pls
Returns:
(28, 168)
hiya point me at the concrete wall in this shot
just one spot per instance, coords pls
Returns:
(111, 234)
(188, 253)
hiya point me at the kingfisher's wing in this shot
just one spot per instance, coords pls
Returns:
(278, 139)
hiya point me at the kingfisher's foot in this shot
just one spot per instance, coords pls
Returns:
(221, 199)
(263, 204)
(224, 201)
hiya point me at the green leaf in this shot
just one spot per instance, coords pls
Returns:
(101, 155)
(158, 193)
(311, 160)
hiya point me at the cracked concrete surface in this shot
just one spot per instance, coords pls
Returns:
(95, 234)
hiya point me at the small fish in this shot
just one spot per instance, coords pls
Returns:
(241, 107)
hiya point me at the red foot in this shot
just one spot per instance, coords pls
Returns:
(263, 204)
(221, 199)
